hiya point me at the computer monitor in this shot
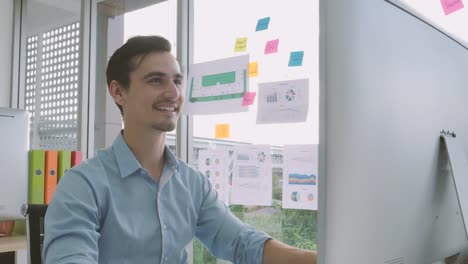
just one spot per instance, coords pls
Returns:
(14, 146)
(392, 84)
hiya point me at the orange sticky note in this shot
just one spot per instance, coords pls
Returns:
(241, 44)
(222, 131)
(248, 98)
(253, 69)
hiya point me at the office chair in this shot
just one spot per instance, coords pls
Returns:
(34, 214)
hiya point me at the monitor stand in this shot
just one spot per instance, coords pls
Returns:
(459, 167)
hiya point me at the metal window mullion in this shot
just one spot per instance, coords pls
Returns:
(16, 73)
(184, 133)
(19, 69)
(92, 77)
(322, 155)
(84, 111)
(184, 136)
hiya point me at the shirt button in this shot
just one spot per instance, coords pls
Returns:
(165, 227)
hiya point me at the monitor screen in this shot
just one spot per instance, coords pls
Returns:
(14, 146)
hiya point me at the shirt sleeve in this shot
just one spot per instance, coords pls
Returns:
(72, 222)
(224, 234)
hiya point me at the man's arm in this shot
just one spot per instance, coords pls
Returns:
(71, 223)
(276, 252)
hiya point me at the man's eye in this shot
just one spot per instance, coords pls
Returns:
(178, 82)
(156, 81)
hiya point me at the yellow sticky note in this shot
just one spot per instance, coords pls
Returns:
(253, 69)
(222, 131)
(241, 44)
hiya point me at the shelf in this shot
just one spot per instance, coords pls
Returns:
(12, 243)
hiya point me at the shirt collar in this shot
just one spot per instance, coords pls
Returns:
(170, 166)
(127, 162)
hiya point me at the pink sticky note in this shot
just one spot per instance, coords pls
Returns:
(248, 98)
(271, 46)
(451, 6)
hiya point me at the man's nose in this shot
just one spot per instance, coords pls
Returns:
(173, 91)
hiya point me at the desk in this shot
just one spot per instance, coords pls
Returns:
(13, 249)
(12, 243)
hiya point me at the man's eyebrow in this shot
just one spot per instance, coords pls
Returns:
(161, 74)
(179, 76)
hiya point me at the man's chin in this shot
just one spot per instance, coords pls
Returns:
(165, 127)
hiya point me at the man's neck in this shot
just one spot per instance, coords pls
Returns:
(148, 148)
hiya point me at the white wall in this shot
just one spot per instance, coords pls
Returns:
(391, 84)
(6, 41)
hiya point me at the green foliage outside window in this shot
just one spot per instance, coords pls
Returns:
(294, 227)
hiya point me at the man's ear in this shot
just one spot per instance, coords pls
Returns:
(117, 92)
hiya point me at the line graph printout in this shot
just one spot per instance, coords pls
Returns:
(283, 102)
(217, 87)
(252, 175)
(300, 177)
(216, 165)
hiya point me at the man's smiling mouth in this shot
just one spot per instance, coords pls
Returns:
(165, 108)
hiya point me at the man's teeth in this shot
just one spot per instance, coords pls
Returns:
(171, 109)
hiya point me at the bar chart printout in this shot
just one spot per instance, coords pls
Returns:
(283, 102)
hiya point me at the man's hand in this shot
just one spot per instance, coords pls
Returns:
(277, 252)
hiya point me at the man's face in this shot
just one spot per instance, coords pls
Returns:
(154, 97)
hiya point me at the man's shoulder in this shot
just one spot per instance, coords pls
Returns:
(91, 167)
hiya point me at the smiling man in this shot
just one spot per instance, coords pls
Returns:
(135, 202)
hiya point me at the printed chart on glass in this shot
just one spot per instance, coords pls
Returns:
(283, 102)
(300, 177)
(217, 167)
(252, 177)
(217, 86)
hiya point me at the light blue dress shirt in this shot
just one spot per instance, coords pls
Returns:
(109, 209)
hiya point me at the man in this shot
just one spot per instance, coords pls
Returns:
(135, 202)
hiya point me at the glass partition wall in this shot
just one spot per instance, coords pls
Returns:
(281, 41)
